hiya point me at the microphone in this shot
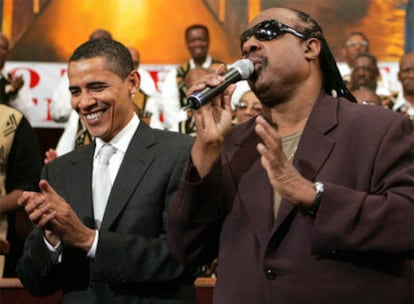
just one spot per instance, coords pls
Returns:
(240, 70)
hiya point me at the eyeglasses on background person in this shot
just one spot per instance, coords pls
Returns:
(256, 107)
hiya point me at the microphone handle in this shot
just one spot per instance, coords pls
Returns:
(197, 99)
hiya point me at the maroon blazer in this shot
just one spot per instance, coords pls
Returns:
(358, 246)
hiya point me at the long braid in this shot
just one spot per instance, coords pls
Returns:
(332, 80)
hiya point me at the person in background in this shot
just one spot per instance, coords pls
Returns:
(173, 90)
(366, 74)
(147, 98)
(20, 166)
(188, 126)
(310, 202)
(405, 101)
(110, 249)
(355, 43)
(367, 96)
(13, 90)
(244, 102)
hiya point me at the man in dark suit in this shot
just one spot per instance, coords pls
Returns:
(117, 253)
(311, 202)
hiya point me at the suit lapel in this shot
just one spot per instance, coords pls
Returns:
(314, 147)
(81, 200)
(136, 161)
(253, 187)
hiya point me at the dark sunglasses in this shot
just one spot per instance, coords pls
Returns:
(268, 30)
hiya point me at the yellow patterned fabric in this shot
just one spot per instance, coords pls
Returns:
(9, 121)
(82, 136)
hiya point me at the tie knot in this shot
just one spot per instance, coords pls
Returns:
(105, 153)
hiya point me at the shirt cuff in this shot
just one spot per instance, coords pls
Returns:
(55, 252)
(92, 252)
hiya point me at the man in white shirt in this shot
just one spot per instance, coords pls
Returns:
(173, 91)
(112, 250)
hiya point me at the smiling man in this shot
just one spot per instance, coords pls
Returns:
(107, 249)
(197, 40)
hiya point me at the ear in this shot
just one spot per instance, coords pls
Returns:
(312, 48)
(134, 80)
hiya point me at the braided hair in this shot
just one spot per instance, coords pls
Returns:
(332, 80)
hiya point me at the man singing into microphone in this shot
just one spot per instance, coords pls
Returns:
(310, 202)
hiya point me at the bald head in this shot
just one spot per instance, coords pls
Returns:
(406, 75)
(100, 33)
(135, 55)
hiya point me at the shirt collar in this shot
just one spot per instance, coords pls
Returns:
(122, 139)
(206, 64)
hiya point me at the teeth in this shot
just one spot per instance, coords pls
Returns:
(94, 115)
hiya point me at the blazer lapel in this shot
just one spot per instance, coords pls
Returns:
(253, 187)
(81, 179)
(314, 147)
(136, 161)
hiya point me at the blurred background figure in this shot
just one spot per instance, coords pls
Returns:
(405, 101)
(355, 43)
(188, 126)
(366, 96)
(244, 102)
(366, 74)
(147, 98)
(100, 33)
(197, 39)
(20, 165)
(13, 90)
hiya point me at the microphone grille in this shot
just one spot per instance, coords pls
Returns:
(245, 68)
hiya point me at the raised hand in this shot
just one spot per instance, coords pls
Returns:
(50, 212)
(213, 121)
(50, 155)
(283, 176)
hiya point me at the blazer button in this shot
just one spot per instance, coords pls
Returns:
(270, 273)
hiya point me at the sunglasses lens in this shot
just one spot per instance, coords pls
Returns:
(264, 31)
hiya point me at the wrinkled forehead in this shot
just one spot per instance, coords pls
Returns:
(407, 60)
(364, 61)
(283, 15)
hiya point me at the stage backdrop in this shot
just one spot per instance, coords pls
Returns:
(43, 33)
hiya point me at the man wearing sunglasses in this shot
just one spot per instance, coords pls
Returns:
(310, 202)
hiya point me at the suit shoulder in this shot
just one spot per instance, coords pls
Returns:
(173, 137)
(370, 114)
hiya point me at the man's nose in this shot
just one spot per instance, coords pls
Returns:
(86, 100)
(250, 46)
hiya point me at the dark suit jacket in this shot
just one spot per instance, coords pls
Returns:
(356, 248)
(132, 262)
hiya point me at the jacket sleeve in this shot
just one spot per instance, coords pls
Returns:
(378, 220)
(195, 216)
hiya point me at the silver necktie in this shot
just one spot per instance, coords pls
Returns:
(102, 183)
